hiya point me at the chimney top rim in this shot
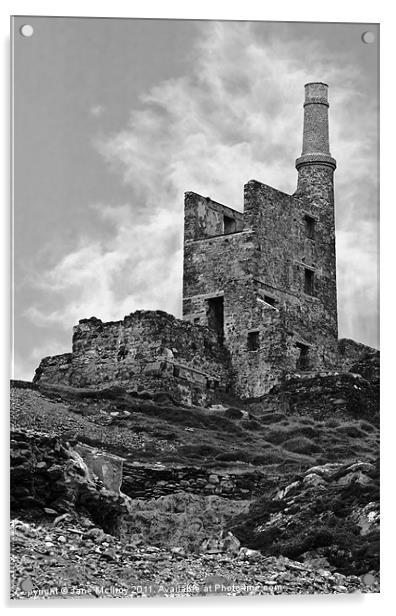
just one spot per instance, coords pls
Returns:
(316, 83)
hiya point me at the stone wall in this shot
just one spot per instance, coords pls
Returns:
(50, 473)
(145, 481)
(331, 395)
(351, 353)
(146, 350)
(283, 251)
(258, 274)
(207, 218)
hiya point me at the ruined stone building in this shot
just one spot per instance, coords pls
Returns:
(265, 280)
(259, 294)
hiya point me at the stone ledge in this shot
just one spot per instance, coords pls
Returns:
(316, 159)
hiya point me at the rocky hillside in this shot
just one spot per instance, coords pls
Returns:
(328, 515)
(280, 491)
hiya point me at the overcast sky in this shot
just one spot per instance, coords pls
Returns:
(116, 119)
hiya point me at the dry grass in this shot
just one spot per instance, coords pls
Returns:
(148, 431)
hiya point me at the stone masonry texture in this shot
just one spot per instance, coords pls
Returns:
(147, 350)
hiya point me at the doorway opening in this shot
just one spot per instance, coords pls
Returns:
(303, 357)
(229, 225)
(253, 341)
(215, 313)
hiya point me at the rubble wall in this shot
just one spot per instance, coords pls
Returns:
(146, 350)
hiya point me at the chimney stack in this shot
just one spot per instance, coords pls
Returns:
(315, 149)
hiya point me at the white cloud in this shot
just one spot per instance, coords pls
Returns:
(237, 115)
(110, 278)
(24, 365)
(97, 110)
(358, 284)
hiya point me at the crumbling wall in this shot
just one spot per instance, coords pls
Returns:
(220, 268)
(337, 395)
(207, 218)
(258, 274)
(146, 350)
(351, 352)
(48, 473)
(145, 481)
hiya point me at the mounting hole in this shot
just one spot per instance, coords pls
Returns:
(368, 37)
(26, 30)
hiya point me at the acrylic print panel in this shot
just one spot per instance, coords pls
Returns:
(194, 404)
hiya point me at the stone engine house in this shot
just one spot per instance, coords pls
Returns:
(259, 295)
(265, 280)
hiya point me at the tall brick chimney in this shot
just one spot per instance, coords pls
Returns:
(316, 127)
(315, 154)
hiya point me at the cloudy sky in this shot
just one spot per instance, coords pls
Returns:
(116, 119)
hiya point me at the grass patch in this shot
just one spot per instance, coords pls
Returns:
(351, 429)
(301, 444)
(332, 423)
(367, 426)
(271, 456)
(234, 456)
(200, 451)
(272, 417)
(269, 438)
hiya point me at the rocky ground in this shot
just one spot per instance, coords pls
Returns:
(272, 496)
(68, 559)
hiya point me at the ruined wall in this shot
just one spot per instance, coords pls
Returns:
(359, 359)
(222, 267)
(145, 481)
(335, 395)
(284, 249)
(146, 350)
(259, 272)
(47, 472)
(204, 217)
(351, 352)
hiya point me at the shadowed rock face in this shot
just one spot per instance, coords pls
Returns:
(46, 473)
(330, 512)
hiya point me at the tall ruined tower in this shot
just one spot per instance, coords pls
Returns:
(265, 280)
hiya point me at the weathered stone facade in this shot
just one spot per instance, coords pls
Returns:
(146, 350)
(265, 280)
